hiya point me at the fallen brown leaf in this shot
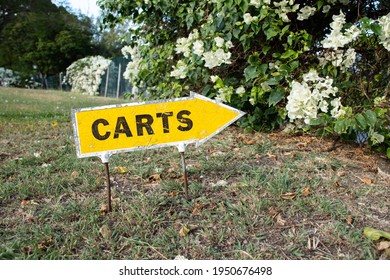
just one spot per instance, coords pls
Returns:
(104, 209)
(155, 177)
(306, 192)
(288, 196)
(43, 245)
(366, 180)
(272, 156)
(341, 173)
(383, 245)
(349, 219)
(197, 209)
(302, 144)
(105, 231)
(184, 231)
(25, 202)
(280, 220)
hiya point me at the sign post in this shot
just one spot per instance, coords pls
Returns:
(107, 130)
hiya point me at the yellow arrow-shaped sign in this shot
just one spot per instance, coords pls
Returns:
(106, 130)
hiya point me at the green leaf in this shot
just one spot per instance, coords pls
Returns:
(284, 30)
(271, 32)
(375, 234)
(388, 152)
(219, 22)
(317, 122)
(288, 54)
(370, 117)
(244, 5)
(254, 59)
(376, 28)
(274, 80)
(294, 65)
(361, 121)
(284, 68)
(263, 13)
(341, 126)
(265, 49)
(320, 4)
(263, 68)
(275, 97)
(189, 20)
(236, 32)
(250, 72)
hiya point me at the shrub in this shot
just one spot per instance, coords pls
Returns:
(317, 63)
(84, 75)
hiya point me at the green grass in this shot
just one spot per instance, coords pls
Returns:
(51, 201)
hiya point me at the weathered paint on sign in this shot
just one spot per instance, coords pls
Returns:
(106, 130)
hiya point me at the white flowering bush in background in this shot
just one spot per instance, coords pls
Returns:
(384, 36)
(320, 63)
(84, 75)
(8, 77)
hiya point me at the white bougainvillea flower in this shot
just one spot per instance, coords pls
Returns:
(248, 18)
(219, 42)
(306, 12)
(384, 37)
(337, 37)
(240, 91)
(180, 70)
(84, 75)
(311, 96)
(198, 47)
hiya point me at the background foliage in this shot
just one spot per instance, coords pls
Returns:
(41, 38)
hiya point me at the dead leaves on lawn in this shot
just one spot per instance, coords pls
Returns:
(290, 195)
(186, 229)
(155, 178)
(105, 231)
(366, 180)
(306, 192)
(26, 202)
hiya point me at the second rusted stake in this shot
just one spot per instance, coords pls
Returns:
(109, 208)
(183, 162)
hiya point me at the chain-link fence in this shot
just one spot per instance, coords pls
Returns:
(113, 84)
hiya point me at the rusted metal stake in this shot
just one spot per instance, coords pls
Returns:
(183, 162)
(109, 209)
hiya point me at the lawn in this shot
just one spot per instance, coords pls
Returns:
(253, 196)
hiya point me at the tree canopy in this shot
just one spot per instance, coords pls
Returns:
(41, 37)
(38, 35)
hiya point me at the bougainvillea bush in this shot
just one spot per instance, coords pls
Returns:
(8, 77)
(319, 64)
(84, 75)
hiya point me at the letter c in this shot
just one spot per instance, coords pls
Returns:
(95, 129)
